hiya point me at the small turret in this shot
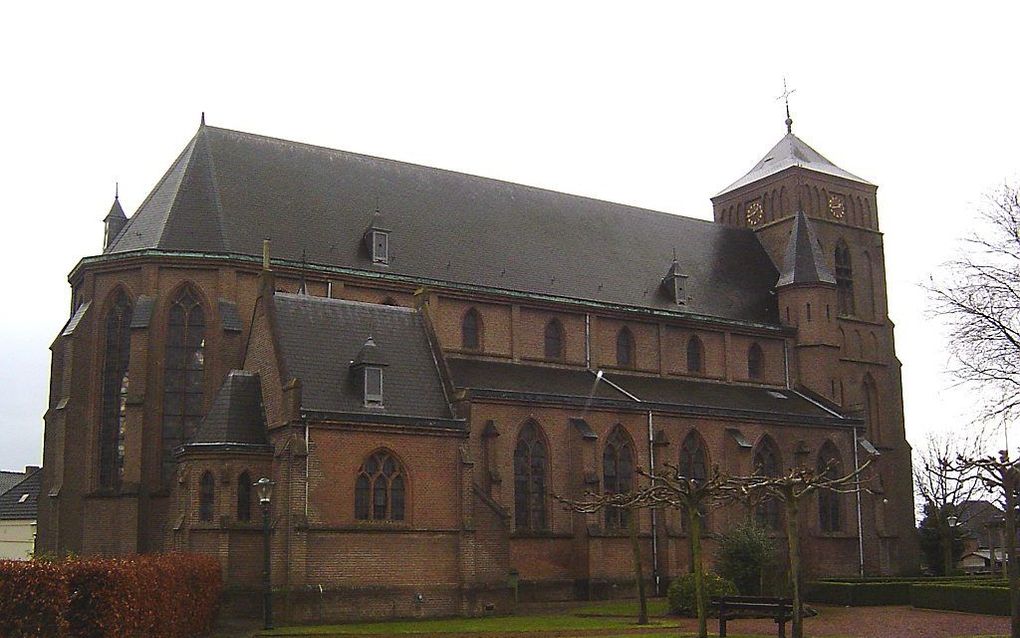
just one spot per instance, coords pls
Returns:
(114, 221)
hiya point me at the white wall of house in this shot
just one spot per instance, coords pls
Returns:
(17, 539)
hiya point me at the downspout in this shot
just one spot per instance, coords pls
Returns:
(308, 454)
(786, 362)
(651, 469)
(857, 491)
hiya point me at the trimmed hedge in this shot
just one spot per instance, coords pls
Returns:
(162, 596)
(859, 594)
(681, 593)
(970, 598)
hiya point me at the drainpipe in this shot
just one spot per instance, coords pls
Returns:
(860, 525)
(651, 466)
(786, 362)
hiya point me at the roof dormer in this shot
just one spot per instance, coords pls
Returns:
(674, 284)
(377, 240)
(367, 369)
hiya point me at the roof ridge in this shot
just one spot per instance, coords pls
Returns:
(215, 187)
(351, 302)
(543, 189)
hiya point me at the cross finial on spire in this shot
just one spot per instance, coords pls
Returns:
(116, 191)
(786, 98)
(202, 123)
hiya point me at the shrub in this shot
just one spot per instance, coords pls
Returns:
(681, 592)
(744, 554)
(162, 596)
(32, 597)
(975, 599)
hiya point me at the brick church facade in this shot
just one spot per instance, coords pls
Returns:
(412, 359)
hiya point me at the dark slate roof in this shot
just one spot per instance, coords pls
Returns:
(804, 263)
(790, 151)
(487, 378)
(229, 316)
(320, 338)
(116, 211)
(14, 505)
(75, 319)
(236, 416)
(229, 190)
(9, 479)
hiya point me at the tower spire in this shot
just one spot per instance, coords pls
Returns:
(786, 98)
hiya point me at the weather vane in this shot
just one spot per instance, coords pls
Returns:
(785, 97)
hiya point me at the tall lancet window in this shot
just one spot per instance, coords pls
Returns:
(618, 475)
(116, 356)
(844, 280)
(530, 471)
(183, 375)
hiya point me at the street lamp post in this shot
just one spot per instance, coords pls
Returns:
(948, 547)
(264, 489)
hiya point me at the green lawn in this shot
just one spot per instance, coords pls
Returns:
(656, 607)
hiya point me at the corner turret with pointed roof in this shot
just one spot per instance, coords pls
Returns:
(804, 262)
(114, 221)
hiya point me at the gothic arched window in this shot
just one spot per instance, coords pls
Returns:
(694, 464)
(625, 348)
(379, 490)
(844, 279)
(554, 340)
(530, 471)
(115, 382)
(766, 463)
(695, 355)
(829, 512)
(183, 375)
(206, 496)
(755, 362)
(471, 330)
(617, 475)
(244, 486)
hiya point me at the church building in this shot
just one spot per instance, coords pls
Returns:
(421, 360)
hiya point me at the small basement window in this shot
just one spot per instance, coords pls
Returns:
(373, 387)
(380, 247)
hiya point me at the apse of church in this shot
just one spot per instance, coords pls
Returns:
(419, 401)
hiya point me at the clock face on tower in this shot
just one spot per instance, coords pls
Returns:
(754, 213)
(837, 206)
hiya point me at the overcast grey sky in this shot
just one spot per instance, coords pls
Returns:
(654, 104)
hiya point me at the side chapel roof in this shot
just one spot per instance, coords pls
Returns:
(236, 416)
(804, 263)
(229, 190)
(321, 339)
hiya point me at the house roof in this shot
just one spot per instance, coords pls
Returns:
(790, 151)
(804, 263)
(575, 387)
(9, 479)
(21, 501)
(229, 190)
(320, 339)
(236, 416)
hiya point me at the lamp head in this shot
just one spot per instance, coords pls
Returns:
(264, 489)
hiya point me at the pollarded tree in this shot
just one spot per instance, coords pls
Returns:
(944, 486)
(671, 488)
(790, 489)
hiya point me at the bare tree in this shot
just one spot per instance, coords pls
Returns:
(790, 489)
(1002, 474)
(945, 485)
(671, 488)
(978, 297)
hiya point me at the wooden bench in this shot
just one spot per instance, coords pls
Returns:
(731, 607)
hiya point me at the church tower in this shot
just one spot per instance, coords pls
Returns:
(819, 225)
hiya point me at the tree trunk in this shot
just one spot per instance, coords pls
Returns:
(947, 547)
(793, 543)
(1013, 567)
(639, 576)
(694, 523)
